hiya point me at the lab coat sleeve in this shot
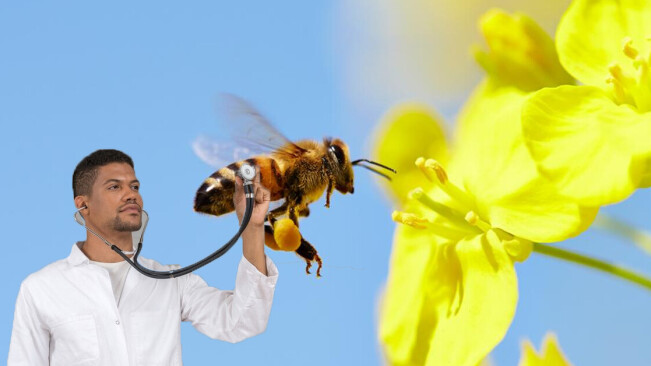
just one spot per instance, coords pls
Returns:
(30, 339)
(230, 316)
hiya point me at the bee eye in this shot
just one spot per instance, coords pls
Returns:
(339, 153)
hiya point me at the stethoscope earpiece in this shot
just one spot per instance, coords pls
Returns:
(79, 218)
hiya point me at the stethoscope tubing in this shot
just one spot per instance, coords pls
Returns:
(248, 193)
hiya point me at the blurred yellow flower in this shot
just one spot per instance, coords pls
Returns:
(593, 139)
(394, 49)
(550, 354)
(520, 53)
(452, 287)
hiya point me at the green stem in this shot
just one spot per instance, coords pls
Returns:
(610, 268)
(639, 237)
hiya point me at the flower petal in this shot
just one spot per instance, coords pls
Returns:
(484, 305)
(408, 316)
(409, 131)
(497, 168)
(550, 355)
(594, 150)
(520, 53)
(539, 213)
(590, 35)
(446, 303)
(489, 139)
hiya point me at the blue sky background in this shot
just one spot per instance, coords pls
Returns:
(142, 77)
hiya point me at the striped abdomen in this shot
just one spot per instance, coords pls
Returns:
(215, 196)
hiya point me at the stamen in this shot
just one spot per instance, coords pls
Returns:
(629, 50)
(409, 219)
(448, 187)
(454, 216)
(618, 90)
(437, 168)
(473, 219)
(622, 84)
(420, 163)
(446, 232)
(617, 73)
(632, 85)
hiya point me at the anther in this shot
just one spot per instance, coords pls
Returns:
(437, 168)
(629, 50)
(473, 219)
(409, 219)
(448, 187)
(420, 163)
(616, 71)
(621, 83)
(416, 193)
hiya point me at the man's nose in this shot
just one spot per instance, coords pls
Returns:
(133, 196)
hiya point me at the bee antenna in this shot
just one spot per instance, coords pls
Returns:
(358, 161)
(375, 171)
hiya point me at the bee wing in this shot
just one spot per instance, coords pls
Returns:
(219, 154)
(251, 130)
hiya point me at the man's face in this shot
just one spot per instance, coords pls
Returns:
(115, 203)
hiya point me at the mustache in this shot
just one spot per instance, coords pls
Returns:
(123, 207)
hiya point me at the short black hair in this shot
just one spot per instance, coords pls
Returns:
(86, 171)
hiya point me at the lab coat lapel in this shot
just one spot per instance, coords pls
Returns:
(137, 287)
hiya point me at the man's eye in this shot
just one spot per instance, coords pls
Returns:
(113, 187)
(137, 188)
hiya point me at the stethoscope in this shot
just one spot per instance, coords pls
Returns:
(247, 172)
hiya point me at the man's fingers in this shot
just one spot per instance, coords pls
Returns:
(266, 194)
(259, 195)
(256, 180)
(239, 188)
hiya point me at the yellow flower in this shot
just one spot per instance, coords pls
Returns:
(452, 287)
(397, 49)
(550, 354)
(468, 214)
(593, 139)
(520, 53)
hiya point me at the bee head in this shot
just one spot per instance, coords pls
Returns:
(340, 165)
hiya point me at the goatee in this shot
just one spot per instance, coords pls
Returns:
(119, 225)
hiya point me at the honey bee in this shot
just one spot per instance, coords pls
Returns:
(297, 173)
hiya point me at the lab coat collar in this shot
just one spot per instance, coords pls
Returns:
(76, 256)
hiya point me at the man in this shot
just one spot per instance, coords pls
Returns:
(92, 308)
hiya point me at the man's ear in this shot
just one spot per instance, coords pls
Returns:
(80, 202)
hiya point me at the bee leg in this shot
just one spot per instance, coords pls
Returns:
(277, 212)
(292, 212)
(272, 220)
(307, 251)
(304, 212)
(294, 200)
(331, 188)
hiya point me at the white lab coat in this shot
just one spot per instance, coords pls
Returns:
(66, 313)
